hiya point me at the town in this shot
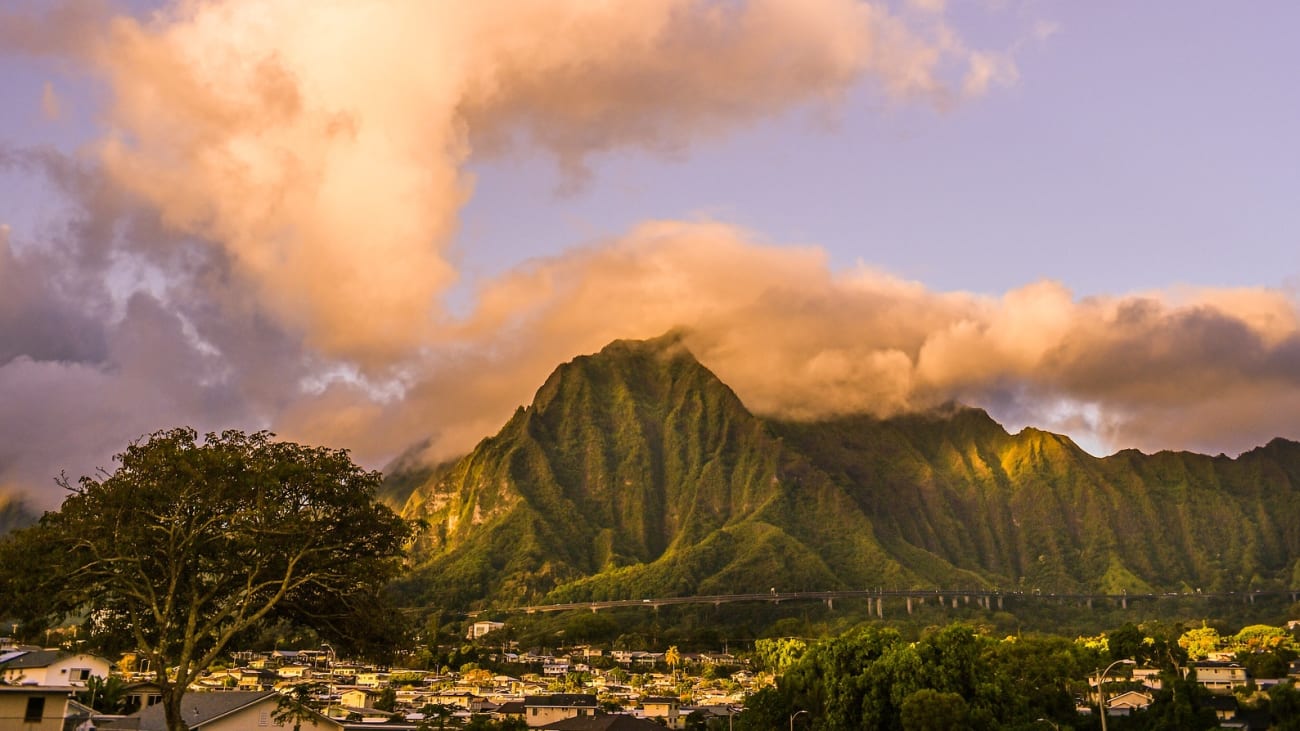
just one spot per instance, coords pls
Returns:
(500, 686)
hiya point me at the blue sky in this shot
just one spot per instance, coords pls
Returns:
(1144, 145)
(301, 217)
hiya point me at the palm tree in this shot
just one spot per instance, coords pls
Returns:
(673, 657)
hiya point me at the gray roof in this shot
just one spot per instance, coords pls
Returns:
(604, 723)
(197, 709)
(565, 700)
(34, 659)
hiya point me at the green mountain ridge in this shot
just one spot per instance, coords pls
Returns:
(635, 473)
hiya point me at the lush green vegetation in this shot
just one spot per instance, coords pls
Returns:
(637, 473)
(956, 677)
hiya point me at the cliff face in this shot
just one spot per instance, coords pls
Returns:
(636, 472)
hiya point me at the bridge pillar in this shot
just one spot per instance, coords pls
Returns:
(909, 605)
(954, 602)
(1090, 602)
(965, 599)
(1252, 597)
(830, 604)
(1123, 602)
(880, 607)
(594, 608)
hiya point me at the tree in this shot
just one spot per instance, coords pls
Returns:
(1200, 641)
(387, 699)
(104, 694)
(930, 710)
(294, 707)
(673, 657)
(189, 545)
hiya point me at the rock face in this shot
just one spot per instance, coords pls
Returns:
(636, 472)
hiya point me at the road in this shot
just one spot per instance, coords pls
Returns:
(983, 597)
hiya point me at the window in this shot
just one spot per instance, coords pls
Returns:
(35, 710)
(79, 674)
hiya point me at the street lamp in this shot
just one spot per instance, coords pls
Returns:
(795, 715)
(1049, 722)
(1101, 692)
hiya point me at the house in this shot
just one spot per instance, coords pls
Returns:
(1148, 677)
(478, 629)
(555, 666)
(137, 696)
(52, 667)
(372, 678)
(617, 722)
(34, 707)
(1220, 677)
(229, 711)
(540, 710)
(1225, 706)
(1126, 703)
(358, 697)
(669, 709)
(256, 679)
(719, 658)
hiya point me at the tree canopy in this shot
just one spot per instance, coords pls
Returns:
(190, 544)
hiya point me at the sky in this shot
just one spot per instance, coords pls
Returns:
(379, 224)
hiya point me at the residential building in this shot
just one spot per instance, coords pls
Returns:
(1220, 677)
(34, 707)
(1124, 704)
(663, 707)
(228, 711)
(540, 710)
(617, 722)
(52, 667)
(478, 629)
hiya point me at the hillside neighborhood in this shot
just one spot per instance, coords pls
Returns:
(577, 688)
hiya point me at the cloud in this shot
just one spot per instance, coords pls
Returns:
(51, 106)
(1205, 369)
(263, 237)
(321, 146)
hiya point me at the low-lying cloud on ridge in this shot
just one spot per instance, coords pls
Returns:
(263, 235)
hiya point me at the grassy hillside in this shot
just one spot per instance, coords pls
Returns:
(635, 472)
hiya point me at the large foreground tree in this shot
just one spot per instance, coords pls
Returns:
(190, 544)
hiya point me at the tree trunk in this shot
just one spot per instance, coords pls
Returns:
(173, 710)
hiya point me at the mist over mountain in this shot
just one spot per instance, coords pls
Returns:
(14, 514)
(636, 472)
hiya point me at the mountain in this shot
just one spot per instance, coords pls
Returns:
(14, 514)
(636, 472)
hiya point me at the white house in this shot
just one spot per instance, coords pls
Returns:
(52, 667)
(478, 629)
(1220, 677)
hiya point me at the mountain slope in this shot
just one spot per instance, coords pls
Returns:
(14, 514)
(636, 472)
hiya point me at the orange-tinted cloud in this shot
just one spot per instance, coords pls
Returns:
(321, 145)
(1206, 369)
